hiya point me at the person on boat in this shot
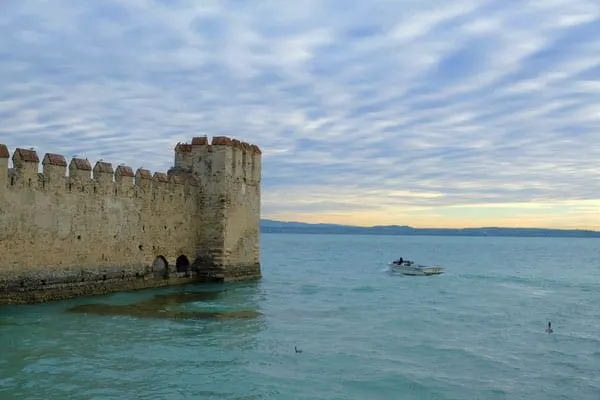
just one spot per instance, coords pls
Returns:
(400, 261)
(549, 328)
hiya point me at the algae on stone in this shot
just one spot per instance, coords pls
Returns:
(158, 307)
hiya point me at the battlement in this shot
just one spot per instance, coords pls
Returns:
(78, 175)
(223, 156)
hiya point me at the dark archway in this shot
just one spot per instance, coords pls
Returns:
(182, 264)
(160, 264)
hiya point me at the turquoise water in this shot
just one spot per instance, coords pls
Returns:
(476, 332)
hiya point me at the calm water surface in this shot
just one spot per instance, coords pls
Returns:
(476, 332)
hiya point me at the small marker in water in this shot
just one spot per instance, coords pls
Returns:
(549, 328)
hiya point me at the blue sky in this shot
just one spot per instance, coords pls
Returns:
(420, 112)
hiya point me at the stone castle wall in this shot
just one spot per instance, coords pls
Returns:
(76, 230)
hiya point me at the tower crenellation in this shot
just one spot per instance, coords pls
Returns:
(124, 176)
(103, 177)
(26, 164)
(143, 179)
(80, 170)
(103, 172)
(54, 171)
(160, 182)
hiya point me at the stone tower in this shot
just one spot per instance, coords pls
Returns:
(228, 177)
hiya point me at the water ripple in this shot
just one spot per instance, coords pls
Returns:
(476, 332)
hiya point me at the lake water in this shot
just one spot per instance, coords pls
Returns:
(476, 332)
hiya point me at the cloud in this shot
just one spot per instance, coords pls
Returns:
(420, 112)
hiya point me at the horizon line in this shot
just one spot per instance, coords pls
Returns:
(414, 227)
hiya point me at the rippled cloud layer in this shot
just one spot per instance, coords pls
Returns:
(421, 112)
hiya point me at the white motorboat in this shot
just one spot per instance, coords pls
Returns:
(407, 267)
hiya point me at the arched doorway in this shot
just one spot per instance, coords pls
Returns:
(182, 264)
(160, 264)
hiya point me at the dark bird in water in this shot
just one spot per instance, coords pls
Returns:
(297, 350)
(549, 328)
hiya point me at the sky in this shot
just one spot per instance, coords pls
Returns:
(429, 113)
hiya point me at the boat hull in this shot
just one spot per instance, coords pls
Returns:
(417, 270)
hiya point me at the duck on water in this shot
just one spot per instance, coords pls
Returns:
(407, 267)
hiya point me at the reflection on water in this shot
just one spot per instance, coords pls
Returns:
(159, 306)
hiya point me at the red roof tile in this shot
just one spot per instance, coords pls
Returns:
(221, 141)
(103, 167)
(123, 170)
(144, 173)
(256, 149)
(161, 177)
(26, 155)
(81, 164)
(200, 140)
(55, 159)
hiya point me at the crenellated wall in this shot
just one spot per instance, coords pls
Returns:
(74, 229)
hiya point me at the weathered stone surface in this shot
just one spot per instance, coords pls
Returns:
(67, 236)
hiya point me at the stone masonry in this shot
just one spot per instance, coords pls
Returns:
(99, 230)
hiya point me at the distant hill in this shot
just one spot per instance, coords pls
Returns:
(271, 226)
